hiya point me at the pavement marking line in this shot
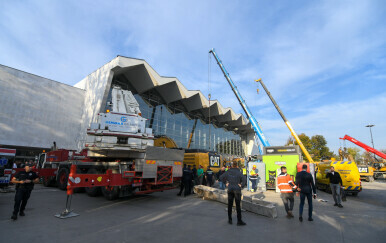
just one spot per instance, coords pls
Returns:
(117, 203)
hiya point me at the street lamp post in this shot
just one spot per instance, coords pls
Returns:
(371, 134)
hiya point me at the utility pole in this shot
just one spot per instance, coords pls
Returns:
(371, 134)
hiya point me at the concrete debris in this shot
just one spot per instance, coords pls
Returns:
(249, 203)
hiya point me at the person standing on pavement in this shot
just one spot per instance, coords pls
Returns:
(306, 187)
(184, 175)
(286, 186)
(200, 175)
(188, 181)
(234, 180)
(253, 178)
(335, 184)
(195, 179)
(24, 181)
(219, 174)
(209, 177)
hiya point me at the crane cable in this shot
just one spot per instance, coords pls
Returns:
(209, 95)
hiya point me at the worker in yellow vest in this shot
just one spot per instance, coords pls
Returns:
(253, 178)
(286, 186)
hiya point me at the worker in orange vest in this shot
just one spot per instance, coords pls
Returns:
(286, 186)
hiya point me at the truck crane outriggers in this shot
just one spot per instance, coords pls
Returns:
(251, 118)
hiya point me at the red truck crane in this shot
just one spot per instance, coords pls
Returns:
(364, 146)
(379, 169)
(118, 158)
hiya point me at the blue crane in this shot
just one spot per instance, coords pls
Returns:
(247, 111)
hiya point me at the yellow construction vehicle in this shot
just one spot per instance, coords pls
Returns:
(197, 157)
(348, 171)
(366, 172)
(165, 142)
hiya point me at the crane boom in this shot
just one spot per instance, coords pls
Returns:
(364, 146)
(286, 122)
(252, 120)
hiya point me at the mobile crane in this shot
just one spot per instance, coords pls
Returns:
(286, 122)
(379, 171)
(118, 158)
(251, 118)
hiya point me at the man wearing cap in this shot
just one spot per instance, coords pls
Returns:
(24, 181)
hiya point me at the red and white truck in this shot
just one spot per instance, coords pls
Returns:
(118, 158)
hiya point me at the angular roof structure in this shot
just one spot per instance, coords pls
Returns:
(142, 79)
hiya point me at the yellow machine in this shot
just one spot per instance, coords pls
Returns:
(203, 158)
(366, 172)
(348, 171)
(165, 142)
(195, 157)
(379, 170)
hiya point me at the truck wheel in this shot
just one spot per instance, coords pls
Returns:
(93, 191)
(48, 181)
(110, 192)
(62, 179)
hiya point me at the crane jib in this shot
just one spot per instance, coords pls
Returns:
(251, 118)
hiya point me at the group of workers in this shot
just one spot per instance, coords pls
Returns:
(193, 176)
(304, 186)
(233, 178)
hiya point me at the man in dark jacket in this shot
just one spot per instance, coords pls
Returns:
(234, 179)
(306, 187)
(335, 184)
(219, 174)
(24, 181)
(183, 179)
(209, 176)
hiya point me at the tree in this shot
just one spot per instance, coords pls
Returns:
(355, 153)
(319, 148)
(316, 146)
(367, 157)
(305, 140)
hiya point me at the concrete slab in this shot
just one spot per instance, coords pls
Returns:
(265, 210)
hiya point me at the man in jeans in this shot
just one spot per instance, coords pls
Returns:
(219, 174)
(307, 189)
(335, 184)
(234, 179)
(286, 186)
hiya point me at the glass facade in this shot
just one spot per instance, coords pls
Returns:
(173, 123)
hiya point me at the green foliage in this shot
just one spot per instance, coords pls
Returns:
(316, 146)
(355, 153)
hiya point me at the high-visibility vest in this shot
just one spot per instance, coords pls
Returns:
(253, 173)
(283, 183)
(244, 171)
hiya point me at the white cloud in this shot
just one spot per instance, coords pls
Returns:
(334, 121)
(303, 51)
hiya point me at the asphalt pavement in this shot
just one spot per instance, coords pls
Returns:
(165, 217)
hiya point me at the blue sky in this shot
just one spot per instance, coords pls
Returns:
(323, 61)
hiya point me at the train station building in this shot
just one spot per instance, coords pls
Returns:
(35, 111)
